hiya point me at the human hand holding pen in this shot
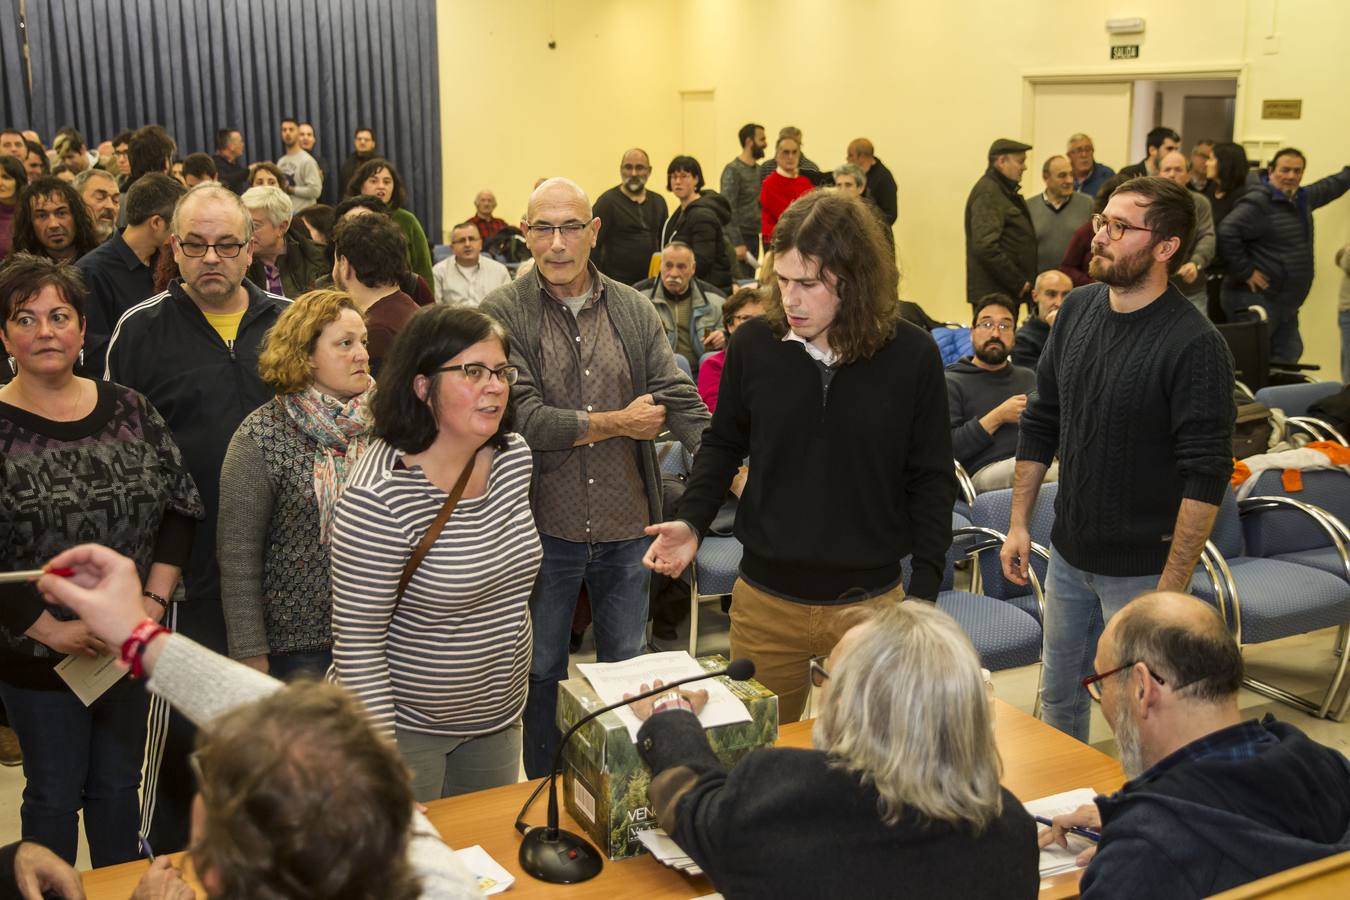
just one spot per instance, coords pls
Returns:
(1084, 817)
(103, 589)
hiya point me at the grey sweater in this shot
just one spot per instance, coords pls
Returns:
(1055, 228)
(971, 393)
(552, 431)
(203, 686)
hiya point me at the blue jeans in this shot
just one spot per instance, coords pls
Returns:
(1344, 319)
(616, 582)
(1077, 606)
(305, 664)
(1286, 343)
(81, 757)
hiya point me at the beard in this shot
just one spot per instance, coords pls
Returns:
(1129, 743)
(103, 229)
(757, 152)
(1123, 272)
(992, 352)
(634, 185)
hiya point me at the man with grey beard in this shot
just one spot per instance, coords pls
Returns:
(1213, 801)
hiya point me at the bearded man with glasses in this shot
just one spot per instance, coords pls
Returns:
(192, 351)
(1134, 394)
(597, 383)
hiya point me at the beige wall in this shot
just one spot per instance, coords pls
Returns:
(931, 86)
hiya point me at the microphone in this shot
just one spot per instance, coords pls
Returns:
(551, 854)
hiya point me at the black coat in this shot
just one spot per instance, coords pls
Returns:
(702, 226)
(1000, 239)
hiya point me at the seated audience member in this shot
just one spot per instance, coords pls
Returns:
(369, 263)
(71, 151)
(228, 159)
(986, 394)
(379, 178)
(1212, 801)
(82, 459)
(742, 306)
(699, 221)
(431, 620)
(298, 795)
(850, 179)
(266, 174)
(1047, 295)
(484, 205)
(783, 185)
(35, 161)
(902, 783)
(98, 189)
(13, 179)
(285, 261)
(467, 276)
(280, 483)
(120, 272)
(1057, 212)
(413, 284)
(318, 221)
(690, 309)
(363, 151)
(198, 167)
(1079, 252)
(51, 220)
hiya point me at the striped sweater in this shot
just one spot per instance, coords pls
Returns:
(453, 657)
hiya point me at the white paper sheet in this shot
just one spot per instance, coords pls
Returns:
(1054, 858)
(612, 680)
(667, 851)
(90, 676)
(491, 877)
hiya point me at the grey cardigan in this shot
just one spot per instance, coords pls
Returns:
(518, 306)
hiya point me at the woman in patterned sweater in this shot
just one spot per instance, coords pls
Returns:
(80, 460)
(280, 482)
(443, 664)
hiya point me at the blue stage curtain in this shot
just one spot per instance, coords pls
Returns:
(194, 67)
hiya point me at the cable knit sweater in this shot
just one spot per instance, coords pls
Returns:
(1139, 408)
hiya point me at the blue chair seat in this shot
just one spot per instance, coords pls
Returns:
(1004, 636)
(1271, 609)
(718, 561)
(1324, 558)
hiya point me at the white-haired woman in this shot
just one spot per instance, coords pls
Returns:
(900, 796)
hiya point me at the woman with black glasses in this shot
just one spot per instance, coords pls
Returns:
(434, 554)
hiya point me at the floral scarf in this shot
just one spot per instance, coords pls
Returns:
(341, 431)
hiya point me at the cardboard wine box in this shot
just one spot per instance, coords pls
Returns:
(604, 779)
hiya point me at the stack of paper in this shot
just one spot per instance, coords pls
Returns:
(491, 878)
(1055, 859)
(667, 851)
(612, 680)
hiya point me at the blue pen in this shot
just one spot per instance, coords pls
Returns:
(1093, 836)
(145, 847)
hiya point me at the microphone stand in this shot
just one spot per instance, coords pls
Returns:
(552, 854)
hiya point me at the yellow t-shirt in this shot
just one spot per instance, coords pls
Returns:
(226, 325)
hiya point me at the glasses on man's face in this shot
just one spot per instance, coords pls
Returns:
(1115, 229)
(464, 240)
(818, 674)
(1092, 683)
(991, 325)
(477, 373)
(1080, 151)
(569, 230)
(632, 169)
(196, 249)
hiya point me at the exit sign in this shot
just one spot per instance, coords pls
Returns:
(1125, 51)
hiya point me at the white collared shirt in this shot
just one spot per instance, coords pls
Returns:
(823, 356)
(458, 286)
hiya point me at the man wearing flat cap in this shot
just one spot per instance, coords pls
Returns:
(1000, 239)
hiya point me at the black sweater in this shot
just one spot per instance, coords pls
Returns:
(1139, 408)
(786, 823)
(972, 393)
(843, 484)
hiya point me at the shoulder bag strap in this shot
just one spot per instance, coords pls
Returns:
(434, 531)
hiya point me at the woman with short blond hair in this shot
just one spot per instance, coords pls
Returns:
(280, 483)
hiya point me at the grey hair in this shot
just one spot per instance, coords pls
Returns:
(907, 713)
(856, 171)
(272, 201)
(1196, 654)
(90, 173)
(1079, 136)
(216, 191)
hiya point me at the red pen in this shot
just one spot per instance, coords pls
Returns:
(33, 574)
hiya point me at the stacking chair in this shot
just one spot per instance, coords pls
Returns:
(1267, 598)
(953, 342)
(1294, 399)
(992, 512)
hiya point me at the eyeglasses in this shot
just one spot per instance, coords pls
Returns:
(991, 325)
(196, 250)
(630, 167)
(477, 373)
(467, 239)
(1081, 151)
(742, 318)
(1115, 230)
(1092, 683)
(569, 230)
(818, 674)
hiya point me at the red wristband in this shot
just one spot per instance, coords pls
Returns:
(133, 648)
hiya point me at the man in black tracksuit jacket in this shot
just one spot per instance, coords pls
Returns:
(203, 379)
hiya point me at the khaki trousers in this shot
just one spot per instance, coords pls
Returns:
(780, 637)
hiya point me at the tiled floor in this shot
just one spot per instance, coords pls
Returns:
(1301, 664)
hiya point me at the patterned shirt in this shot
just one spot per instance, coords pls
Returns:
(593, 492)
(1245, 741)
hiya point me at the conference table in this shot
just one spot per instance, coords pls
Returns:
(1037, 761)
